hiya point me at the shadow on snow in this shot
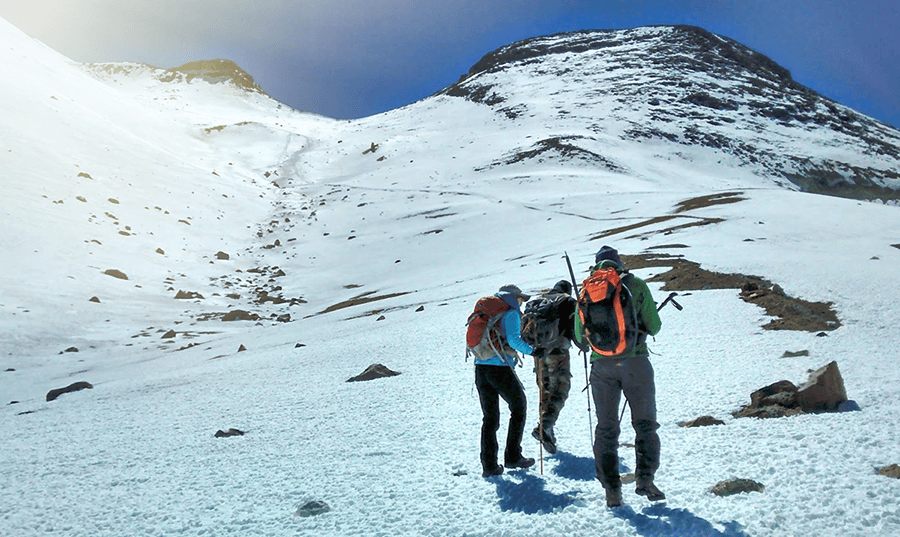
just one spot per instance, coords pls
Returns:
(530, 495)
(660, 520)
(580, 468)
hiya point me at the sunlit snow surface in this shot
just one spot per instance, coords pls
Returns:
(196, 169)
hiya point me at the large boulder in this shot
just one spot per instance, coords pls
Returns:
(824, 391)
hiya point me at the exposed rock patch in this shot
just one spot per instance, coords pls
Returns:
(790, 313)
(730, 487)
(374, 371)
(230, 432)
(702, 421)
(74, 387)
(823, 392)
(115, 273)
(889, 471)
(312, 508)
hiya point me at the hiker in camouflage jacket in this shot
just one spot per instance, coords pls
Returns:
(553, 373)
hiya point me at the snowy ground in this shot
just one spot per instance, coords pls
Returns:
(399, 456)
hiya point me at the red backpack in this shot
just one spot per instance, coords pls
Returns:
(608, 317)
(483, 337)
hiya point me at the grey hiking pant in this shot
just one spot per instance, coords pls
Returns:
(633, 377)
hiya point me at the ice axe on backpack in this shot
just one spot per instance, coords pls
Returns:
(670, 298)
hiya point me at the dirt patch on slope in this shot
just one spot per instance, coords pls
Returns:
(790, 313)
(364, 298)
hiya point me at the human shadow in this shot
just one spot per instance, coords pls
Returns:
(530, 496)
(580, 468)
(661, 520)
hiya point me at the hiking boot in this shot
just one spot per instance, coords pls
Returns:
(492, 472)
(645, 487)
(549, 441)
(521, 463)
(614, 498)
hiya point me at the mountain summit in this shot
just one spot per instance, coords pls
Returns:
(679, 86)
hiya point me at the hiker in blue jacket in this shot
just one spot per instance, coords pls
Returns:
(495, 377)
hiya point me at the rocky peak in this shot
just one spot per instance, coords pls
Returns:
(690, 87)
(214, 72)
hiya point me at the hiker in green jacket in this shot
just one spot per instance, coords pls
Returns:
(632, 374)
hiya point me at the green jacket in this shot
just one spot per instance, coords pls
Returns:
(645, 308)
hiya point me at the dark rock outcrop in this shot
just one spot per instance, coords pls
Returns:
(730, 487)
(74, 387)
(823, 392)
(374, 371)
(230, 432)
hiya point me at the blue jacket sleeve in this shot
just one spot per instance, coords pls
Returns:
(512, 326)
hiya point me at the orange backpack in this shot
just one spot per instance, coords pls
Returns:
(482, 333)
(607, 313)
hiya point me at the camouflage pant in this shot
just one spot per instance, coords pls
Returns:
(552, 370)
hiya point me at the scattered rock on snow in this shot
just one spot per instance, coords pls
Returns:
(312, 508)
(782, 393)
(115, 273)
(182, 295)
(242, 348)
(94, 299)
(889, 471)
(230, 432)
(730, 487)
(240, 315)
(169, 335)
(702, 421)
(74, 387)
(223, 256)
(824, 391)
(791, 354)
(374, 371)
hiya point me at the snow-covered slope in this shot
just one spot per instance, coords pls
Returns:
(357, 242)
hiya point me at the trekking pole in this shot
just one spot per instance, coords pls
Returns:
(540, 411)
(587, 381)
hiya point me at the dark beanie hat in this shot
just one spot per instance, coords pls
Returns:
(563, 286)
(608, 253)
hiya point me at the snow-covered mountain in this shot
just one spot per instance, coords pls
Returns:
(671, 88)
(337, 244)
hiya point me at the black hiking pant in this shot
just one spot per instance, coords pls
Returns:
(494, 382)
(609, 380)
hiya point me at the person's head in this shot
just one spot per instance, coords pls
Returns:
(515, 291)
(562, 286)
(607, 256)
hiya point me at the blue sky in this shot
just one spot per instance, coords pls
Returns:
(360, 57)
